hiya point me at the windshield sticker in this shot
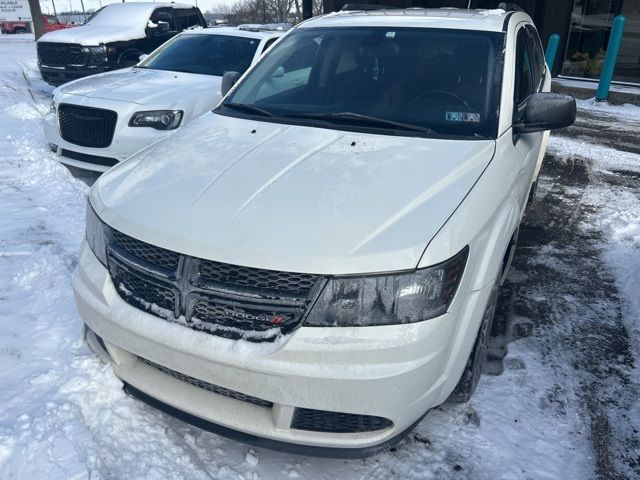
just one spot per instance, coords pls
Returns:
(465, 117)
(391, 35)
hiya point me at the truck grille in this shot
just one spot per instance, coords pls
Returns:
(61, 54)
(221, 299)
(86, 126)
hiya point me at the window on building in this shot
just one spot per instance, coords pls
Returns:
(589, 34)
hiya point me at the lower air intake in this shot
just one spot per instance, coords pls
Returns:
(336, 422)
(209, 386)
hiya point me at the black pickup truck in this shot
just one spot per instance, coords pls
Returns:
(114, 37)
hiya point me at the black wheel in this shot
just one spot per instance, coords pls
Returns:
(471, 375)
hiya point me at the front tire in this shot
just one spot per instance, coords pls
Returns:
(471, 375)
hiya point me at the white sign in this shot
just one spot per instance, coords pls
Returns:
(14, 10)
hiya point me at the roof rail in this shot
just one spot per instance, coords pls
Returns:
(350, 7)
(265, 27)
(510, 7)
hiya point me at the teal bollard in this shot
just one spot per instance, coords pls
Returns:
(552, 50)
(610, 58)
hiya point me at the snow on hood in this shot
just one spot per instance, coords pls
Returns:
(290, 197)
(115, 22)
(141, 86)
(95, 35)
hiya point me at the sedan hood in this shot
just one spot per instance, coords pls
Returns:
(141, 86)
(95, 34)
(291, 198)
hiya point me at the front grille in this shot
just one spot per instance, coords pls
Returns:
(159, 257)
(85, 126)
(209, 386)
(220, 299)
(145, 294)
(336, 422)
(283, 282)
(61, 54)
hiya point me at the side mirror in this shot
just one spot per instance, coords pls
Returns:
(229, 79)
(278, 72)
(546, 111)
(142, 57)
(163, 26)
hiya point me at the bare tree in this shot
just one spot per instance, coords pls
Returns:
(261, 11)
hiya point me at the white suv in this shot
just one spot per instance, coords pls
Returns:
(98, 121)
(314, 265)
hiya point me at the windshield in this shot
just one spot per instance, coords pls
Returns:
(434, 82)
(204, 54)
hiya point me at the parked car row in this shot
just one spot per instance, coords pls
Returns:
(103, 119)
(313, 264)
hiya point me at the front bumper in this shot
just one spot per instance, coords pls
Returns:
(396, 372)
(126, 140)
(60, 75)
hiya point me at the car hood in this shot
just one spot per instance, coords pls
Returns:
(94, 34)
(144, 87)
(291, 198)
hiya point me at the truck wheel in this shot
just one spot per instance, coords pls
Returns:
(20, 30)
(471, 375)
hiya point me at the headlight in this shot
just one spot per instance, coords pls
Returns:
(100, 49)
(388, 299)
(158, 119)
(52, 106)
(96, 234)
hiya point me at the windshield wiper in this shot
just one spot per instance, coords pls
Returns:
(243, 107)
(381, 122)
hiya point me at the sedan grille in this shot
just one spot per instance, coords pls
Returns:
(85, 126)
(217, 298)
(61, 54)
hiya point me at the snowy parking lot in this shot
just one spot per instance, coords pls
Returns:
(561, 394)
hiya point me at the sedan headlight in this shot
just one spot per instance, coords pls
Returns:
(388, 299)
(158, 119)
(96, 235)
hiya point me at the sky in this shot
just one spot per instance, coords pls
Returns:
(65, 5)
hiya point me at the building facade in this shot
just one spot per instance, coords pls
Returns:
(584, 27)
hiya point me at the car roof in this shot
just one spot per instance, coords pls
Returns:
(235, 32)
(453, 18)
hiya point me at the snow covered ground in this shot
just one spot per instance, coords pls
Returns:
(561, 400)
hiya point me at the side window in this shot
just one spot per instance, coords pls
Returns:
(524, 83)
(537, 55)
(268, 44)
(187, 18)
(164, 15)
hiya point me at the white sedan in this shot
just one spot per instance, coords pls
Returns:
(98, 121)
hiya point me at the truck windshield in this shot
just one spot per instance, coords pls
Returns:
(406, 81)
(203, 54)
